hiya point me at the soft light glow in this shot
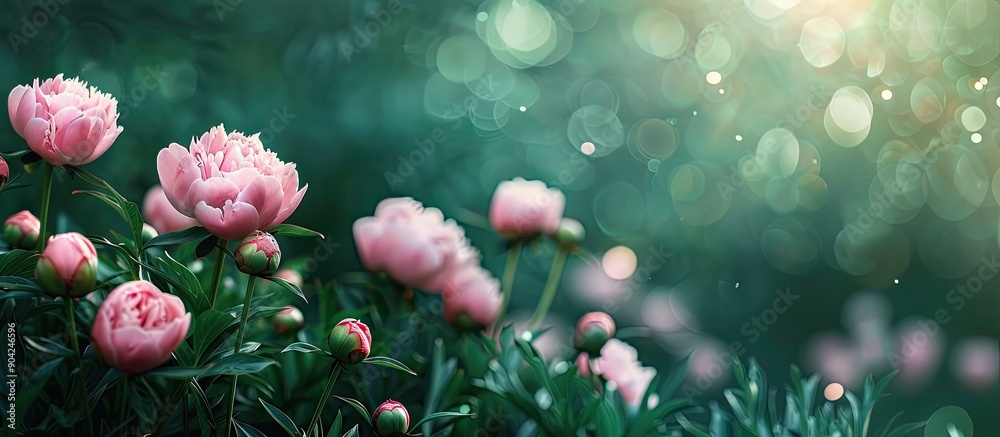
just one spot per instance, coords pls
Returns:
(886, 94)
(588, 148)
(619, 262)
(714, 77)
(984, 81)
(895, 281)
(722, 91)
(978, 86)
(977, 137)
(739, 138)
(523, 108)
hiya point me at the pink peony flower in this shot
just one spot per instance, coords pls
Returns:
(229, 182)
(68, 266)
(138, 327)
(159, 213)
(63, 121)
(21, 230)
(593, 331)
(415, 246)
(4, 172)
(472, 299)
(619, 364)
(523, 209)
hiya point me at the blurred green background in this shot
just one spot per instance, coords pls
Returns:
(818, 147)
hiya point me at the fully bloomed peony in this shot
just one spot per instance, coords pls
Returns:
(159, 213)
(415, 246)
(229, 182)
(64, 121)
(138, 327)
(524, 209)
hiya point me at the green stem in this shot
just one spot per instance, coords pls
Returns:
(123, 398)
(239, 345)
(220, 262)
(174, 399)
(549, 293)
(326, 395)
(507, 284)
(81, 382)
(46, 195)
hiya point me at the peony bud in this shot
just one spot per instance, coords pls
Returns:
(391, 419)
(570, 234)
(67, 266)
(288, 320)
(593, 331)
(4, 172)
(21, 230)
(523, 209)
(350, 341)
(258, 254)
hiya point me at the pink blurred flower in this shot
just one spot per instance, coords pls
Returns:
(596, 287)
(472, 299)
(63, 121)
(159, 213)
(619, 364)
(4, 172)
(976, 363)
(290, 276)
(415, 246)
(836, 360)
(592, 331)
(919, 354)
(583, 365)
(523, 209)
(138, 327)
(229, 182)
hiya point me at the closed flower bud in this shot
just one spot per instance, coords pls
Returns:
(288, 320)
(570, 234)
(67, 266)
(21, 230)
(350, 341)
(4, 172)
(258, 254)
(593, 331)
(391, 419)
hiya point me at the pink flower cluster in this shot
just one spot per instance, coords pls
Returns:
(619, 363)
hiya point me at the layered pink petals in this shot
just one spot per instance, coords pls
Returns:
(473, 293)
(619, 363)
(64, 121)
(523, 209)
(138, 327)
(160, 214)
(229, 182)
(67, 252)
(416, 247)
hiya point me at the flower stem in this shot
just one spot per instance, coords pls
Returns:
(220, 262)
(174, 399)
(239, 345)
(507, 284)
(81, 382)
(549, 293)
(326, 395)
(46, 195)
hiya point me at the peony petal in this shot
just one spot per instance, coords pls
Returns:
(178, 171)
(233, 221)
(366, 233)
(75, 140)
(264, 193)
(100, 335)
(214, 191)
(20, 107)
(138, 351)
(290, 207)
(38, 135)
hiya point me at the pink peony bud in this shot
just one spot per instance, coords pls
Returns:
(415, 246)
(391, 419)
(68, 266)
(21, 230)
(159, 213)
(63, 121)
(258, 254)
(288, 320)
(4, 172)
(593, 331)
(472, 299)
(230, 183)
(138, 327)
(350, 341)
(524, 209)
